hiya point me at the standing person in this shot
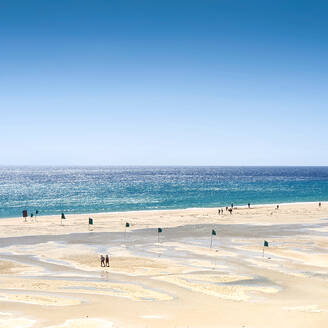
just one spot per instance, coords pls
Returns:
(319, 204)
(231, 205)
(102, 261)
(249, 205)
(107, 260)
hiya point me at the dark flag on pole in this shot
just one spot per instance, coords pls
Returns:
(213, 234)
(266, 244)
(62, 218)
(24, 214)
(90, 223)
(159, 230)
(127, 225)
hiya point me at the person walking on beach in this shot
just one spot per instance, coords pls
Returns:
(107, 260)
(249, 205)
(102, 261)
(319, 204)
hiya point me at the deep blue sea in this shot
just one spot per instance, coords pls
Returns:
(52, 190)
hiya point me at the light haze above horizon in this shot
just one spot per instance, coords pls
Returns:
(208, 82)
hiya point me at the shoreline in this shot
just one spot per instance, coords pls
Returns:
(170, 209)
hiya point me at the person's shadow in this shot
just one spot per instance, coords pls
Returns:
(104, 275)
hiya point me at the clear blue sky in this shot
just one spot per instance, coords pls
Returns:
(208, 82)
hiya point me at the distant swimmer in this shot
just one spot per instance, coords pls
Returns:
(107, 260)
(102, 261)
(231, 205)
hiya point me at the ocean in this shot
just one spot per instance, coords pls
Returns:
(51, 190)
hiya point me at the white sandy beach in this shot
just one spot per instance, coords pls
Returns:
(50, 275)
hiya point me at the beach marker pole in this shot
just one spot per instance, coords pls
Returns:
(212, 234)
(90, 223)
(25, 215)
(62, 218)
(127, 225)
(266, 244)
(159, 230)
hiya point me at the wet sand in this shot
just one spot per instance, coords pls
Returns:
(50, 275)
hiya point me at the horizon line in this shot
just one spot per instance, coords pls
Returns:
(155, 165)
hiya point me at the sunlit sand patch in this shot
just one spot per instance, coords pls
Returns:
(215, 251)
(307, 258)
(12, 267)
(157, 249)
(84, 323)
(38, 299)
(305, 308)
(138, 266)
(218, 278)
(320, 242)
(205, 264)
(263, 262)
(85, 261)
(51, 250)
(151, 317)
(228, 292)
(124, 264)
(284, 268)
(131, 291)
(256, 245)
(16, 323)
(37, 248)
(320, 229)
(127, 290)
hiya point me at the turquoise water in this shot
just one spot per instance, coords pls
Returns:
(52, 190)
